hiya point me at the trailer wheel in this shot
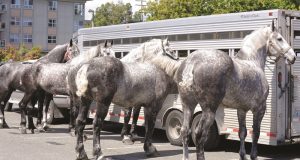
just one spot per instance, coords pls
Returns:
(213, 139)
(173, 127)
(50, 113)
(8, 106)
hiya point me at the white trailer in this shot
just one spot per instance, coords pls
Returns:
(281, 123)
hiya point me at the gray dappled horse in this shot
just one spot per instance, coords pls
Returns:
(10, 78)
(127, 84)
(212, 78)
(60, 54)
(51, 77)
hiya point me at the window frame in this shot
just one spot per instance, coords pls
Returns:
(52, 23)
(14, 38)
(52, 5)
(27, 38)
(51, 39)
(15, 21)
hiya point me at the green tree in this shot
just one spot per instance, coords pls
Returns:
(110, 13)
(167, 9)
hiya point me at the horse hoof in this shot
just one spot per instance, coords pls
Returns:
(152, 152)
(101, 157)
(127, 140)
(82, 157)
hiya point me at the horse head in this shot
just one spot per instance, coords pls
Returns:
(279, 47)
(106, 49)
(158, 48)
(72, 51)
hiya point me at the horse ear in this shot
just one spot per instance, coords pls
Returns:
(272, 26)
(105, 44)
(71, 42)
(112, 42)
(165, 41)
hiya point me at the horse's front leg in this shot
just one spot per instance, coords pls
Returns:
(102, 110)
(242, 132)
(23, 106)
(150, 117)
(201, 131)
(3, 101)
(75, 103)
(257, 118)
(80, 125)
(125, 132)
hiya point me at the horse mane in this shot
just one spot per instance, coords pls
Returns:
(52, 54)
(257, 39)
(87, 55)
(151, 52)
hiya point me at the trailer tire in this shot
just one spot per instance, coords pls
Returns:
(50, 113)
(8, 106)
(213, 139)
(173, 126)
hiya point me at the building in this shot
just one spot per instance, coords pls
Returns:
(43, 23)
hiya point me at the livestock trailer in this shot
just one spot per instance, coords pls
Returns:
(281, 123)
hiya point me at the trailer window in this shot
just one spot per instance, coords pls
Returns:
(135, 40)
(182, 53)
(86, 43)
(145, 39)
(223, 35)
(125, 53)
(93, 43)
(207, 36)
(172, 38)
(117, 41)
(182, 37)
(297, 34)
(195, 36)
(118, 54)
(126, 40)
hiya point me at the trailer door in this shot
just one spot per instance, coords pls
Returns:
(295, 110)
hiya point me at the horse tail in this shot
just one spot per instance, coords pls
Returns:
(81, 80)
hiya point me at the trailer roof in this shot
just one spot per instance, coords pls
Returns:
(231, 17)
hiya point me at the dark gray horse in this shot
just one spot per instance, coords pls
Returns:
(10, 78)
(127, 84)
(61, 54)
(51, 77)
(212, 78)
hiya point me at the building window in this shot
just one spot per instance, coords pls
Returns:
(14, 38)
(15, 21)
(27, 38)
(52, 23)
(28, 4)
(51, 39)
(15, 4)
(2, 43)
(53, 5)
(79, 9)
(27, 22)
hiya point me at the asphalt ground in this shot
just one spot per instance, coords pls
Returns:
(57, 144)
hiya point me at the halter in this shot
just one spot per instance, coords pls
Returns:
(281, 51)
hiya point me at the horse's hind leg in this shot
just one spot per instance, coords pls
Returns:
(201, 131)
(257, 118)
(150, 117)
(242, 132)
(102, 109)
(42, 112)
(80, 124)
(188, 106)
(125, 130)
(23, 106)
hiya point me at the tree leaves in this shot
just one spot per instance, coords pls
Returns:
(20, 54)
(169, 9)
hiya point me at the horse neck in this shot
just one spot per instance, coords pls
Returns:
(56, 55)
(135, 55)
(169, 66)
(255, 50)
(84, 57)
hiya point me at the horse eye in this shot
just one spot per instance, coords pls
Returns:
(279, 39)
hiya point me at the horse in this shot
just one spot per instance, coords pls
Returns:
(51, 77)
(10, 76)
(61, 54)
(127, 84)
(212, 78)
